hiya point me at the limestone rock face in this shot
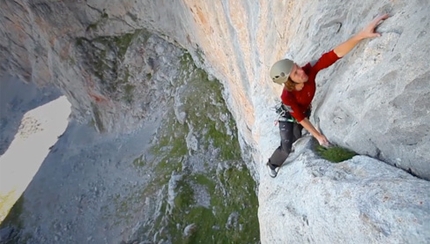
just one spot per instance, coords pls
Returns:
(374, 101)
(101, 55)
(361, 200)
(104, 55)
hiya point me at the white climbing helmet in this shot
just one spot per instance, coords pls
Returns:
(281, 70)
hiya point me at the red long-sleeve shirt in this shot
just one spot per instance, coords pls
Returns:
(299, 101)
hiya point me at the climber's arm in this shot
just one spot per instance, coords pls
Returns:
(367, 32)
(314, 132)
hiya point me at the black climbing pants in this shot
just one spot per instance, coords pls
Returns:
(289, 132)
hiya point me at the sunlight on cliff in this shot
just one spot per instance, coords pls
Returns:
(40, 129)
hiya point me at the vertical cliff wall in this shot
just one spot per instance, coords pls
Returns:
(374, 101)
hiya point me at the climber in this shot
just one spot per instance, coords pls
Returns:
(299, 90)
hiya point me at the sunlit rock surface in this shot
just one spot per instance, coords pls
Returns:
(374, 101)
(361, 200)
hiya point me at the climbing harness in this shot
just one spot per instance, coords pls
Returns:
(283, 112)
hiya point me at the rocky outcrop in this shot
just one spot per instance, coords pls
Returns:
(178, 179)
(374, 101)
(361, 200)
(99, 54)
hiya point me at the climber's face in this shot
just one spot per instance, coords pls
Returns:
(298, 75)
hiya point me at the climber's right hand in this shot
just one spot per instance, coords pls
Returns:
(323, 140)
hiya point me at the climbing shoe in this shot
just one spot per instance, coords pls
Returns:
(273, 172)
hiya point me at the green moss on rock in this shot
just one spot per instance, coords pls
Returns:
(335, 154)
(231, 190)
(104, 57)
